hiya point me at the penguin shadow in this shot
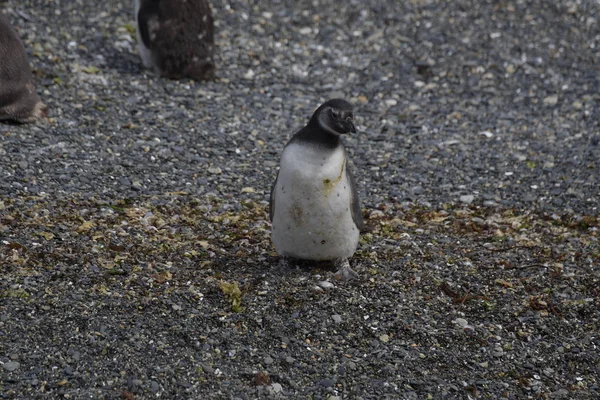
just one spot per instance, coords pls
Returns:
(11, 122)
(130, 64)
(126, 64)
(293, 266)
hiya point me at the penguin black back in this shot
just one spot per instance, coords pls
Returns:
(180, 35)
(18, 98)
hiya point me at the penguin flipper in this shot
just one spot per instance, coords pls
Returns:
(149, 10)
(272, 199)
(354, 201)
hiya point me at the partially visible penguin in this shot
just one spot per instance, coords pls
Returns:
(176, 38)
(19, 100)
(314, 205)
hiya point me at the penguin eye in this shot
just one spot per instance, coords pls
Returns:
(335, 113)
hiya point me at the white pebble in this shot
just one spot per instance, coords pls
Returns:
(325, 284)
(461, 322)
(467, 199)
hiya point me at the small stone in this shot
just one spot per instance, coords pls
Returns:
(208, 369)
(249, 74)
(336, 318)
(274, 388)
(248, 190)
(338, 94)
(325, 284)
(384, 338)
(154, 386)
(215, 170)
(467, 199)
(391, 102)
(461, 322)
(11, 366)
(326, 382)
(416, 190)
(268, 360)
(551, 100)
(290, 360)
(487, 134)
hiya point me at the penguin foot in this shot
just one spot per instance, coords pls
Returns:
(344, 272)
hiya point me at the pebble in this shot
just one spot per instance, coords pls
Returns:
(11, 366)
(154, 386)
(327, 383)
(467, 199)
(325, 284)
(274, 388)
(551, 100)
(336, 318)
(208, 369)
(268, 360)
(290, 360)
(461, 322)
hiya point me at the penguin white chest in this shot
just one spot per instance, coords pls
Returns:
(312, 200)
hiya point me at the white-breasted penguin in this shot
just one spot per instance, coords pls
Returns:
(19, 100)
(176, 38)
(314, 205)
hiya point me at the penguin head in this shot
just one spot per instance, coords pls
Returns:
(335, 117)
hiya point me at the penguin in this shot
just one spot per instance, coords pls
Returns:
(19, 101)
(314, 206)
(176, 38)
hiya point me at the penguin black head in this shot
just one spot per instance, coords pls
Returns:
(335, 116)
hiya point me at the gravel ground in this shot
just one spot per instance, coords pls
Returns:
(135, 258)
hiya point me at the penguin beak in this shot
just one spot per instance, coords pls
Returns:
(350, 126)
